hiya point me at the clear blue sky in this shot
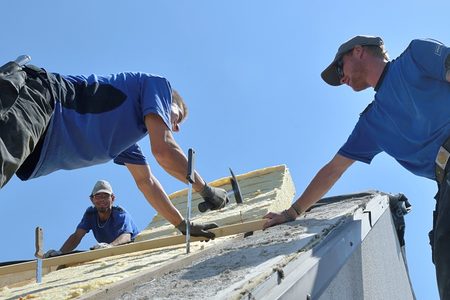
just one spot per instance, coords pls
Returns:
(250, 72)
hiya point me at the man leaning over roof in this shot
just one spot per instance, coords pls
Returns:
(409, 119)
(111, 225)
(50, 122)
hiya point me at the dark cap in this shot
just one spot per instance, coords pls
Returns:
(330, 75)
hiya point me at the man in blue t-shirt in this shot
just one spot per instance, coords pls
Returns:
(50, 122)
(111, 225)
(409, 119)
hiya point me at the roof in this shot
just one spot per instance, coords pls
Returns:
(303, 256)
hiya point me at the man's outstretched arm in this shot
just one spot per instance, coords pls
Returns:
(154, 193)
(157, 197)
(170, 156)
(167, 152)
(318, 187)
(73, 241)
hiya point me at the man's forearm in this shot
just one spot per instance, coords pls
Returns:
(167, 152)
(154, 193)
(121, 239)
(318, 187)
(157, 198)
(71, 243)
(174, 162)
(321, 183)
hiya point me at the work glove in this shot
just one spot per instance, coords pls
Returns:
(52, 253)
(198, 229)
(100, 246)
(215, 198)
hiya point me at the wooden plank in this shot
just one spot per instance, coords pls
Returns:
(26, 266)
(128, 248)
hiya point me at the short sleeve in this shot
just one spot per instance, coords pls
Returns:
(132, 155)
(128, 226)
(86, 221)
(156, 97)
(360, 145)
(430, 56)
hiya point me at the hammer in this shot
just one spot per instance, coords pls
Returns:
(236, 191)
(12, 65)
(39, 254)
(191, 179)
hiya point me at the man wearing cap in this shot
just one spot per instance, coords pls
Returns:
(111, 225)
(409, 119)
(51, 122)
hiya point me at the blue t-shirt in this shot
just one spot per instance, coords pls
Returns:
(410, 116)
(101, 118)
(118, 223)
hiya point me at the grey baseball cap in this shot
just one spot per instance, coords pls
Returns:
(330, 75)
(102, 186)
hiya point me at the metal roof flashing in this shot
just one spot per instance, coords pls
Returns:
(309, 275)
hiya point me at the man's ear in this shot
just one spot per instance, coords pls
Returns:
(113, 197)
(358, 51)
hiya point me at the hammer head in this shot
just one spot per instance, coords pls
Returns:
(236, 188)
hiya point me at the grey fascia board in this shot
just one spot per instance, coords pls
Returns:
(302, 279)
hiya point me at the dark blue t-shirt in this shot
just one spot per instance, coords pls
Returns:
(101, 118)
(410, 116)
(118, 223)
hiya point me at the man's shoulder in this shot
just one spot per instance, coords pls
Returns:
(419, 47)
(90, 210)
(118, 210)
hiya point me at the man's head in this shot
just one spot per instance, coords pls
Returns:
(334, 73)
(102, 196)
(179, 111)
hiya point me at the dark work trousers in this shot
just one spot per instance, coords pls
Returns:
(440, 238)
(26, 106)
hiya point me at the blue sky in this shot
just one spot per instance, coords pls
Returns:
(250, 73)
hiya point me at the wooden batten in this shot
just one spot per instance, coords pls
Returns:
(25, 271)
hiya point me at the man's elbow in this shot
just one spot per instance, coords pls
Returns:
(144, 184)
(162, 155)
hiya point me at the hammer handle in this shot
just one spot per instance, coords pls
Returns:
(39, 241)
(191, 160)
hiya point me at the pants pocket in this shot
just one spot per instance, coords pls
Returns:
(10, 85)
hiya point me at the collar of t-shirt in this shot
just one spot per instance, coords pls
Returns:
(380, 81)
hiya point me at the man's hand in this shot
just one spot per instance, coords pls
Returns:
(100, 246)
(277, 218)
(198, 229)
(215, 198)
(52, 253)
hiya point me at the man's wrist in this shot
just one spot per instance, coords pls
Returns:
(290, 214)
(296, 209)
(199, 184)
(204, 191)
